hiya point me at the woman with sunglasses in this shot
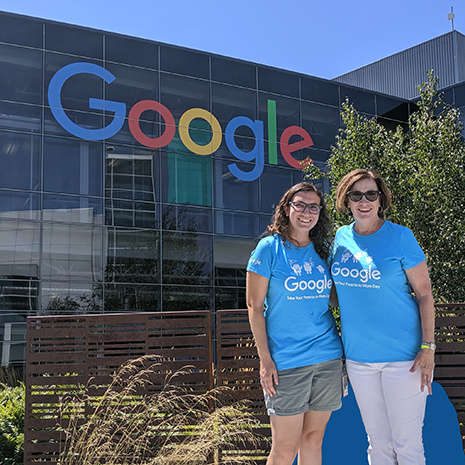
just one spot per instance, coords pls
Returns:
(288, 289)
(387, 320)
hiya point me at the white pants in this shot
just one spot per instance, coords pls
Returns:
(393, 408)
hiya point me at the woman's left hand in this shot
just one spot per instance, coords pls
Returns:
(425, 361)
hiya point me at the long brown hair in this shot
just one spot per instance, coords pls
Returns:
(319, 234)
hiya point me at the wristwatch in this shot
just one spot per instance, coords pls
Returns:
(428, 345)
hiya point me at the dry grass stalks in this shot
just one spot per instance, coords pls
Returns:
(135, 420)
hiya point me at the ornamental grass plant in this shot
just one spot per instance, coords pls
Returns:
(136, 419)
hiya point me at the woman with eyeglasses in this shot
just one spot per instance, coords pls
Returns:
(387, 320)
(288, 290)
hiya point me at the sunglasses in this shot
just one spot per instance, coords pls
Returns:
(356, 196)
(301, 207)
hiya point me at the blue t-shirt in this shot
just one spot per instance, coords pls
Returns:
(300, 326)
(380, 320)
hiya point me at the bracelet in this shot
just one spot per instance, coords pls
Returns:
(428, 345)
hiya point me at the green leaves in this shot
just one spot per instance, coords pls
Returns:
(11, 424)
(424, 167)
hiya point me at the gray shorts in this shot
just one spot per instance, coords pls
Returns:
(314, 387)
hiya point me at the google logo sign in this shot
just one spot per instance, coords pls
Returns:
(257, 154)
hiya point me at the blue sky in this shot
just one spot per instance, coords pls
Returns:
(323, 38)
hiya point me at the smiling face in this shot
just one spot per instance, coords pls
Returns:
(302, 222)
(364, 211)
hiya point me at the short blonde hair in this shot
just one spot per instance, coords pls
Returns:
(348, 181)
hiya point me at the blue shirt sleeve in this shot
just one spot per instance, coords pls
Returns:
(412, 254)
(261, 258)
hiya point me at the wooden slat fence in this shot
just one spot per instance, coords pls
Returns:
(450, 356)
(237, 367)
(67, 351)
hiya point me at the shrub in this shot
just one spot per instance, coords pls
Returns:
(12, 402)
(135, 420)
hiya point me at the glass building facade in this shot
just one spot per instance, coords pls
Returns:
(137, 176)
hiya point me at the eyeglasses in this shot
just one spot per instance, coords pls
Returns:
(356, 196)
(301, 207)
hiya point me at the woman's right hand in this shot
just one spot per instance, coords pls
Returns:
(268, 376)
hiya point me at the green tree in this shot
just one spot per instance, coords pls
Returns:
(424, 166)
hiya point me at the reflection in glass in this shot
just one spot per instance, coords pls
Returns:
(73, 166)
(234, 72)
(19, 161)
(321, 122)
(130, 190)
(229, 102)
(278, 82)
(188, 62)
(176, 298)
(230, 192)
(186, 218)
(237, 223)
(180, 93)
(186, 177)
(318, 90)
(132, 298)
(187, 258)
(21, 76)
(131, 51)
(21, 117)
(133, 256)
(21, 31)
(75, 41)
(273, 183)
(363, 101)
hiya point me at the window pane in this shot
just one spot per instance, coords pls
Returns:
(21, 76)
(73, 208)
(237, 223)
(234, 72)
(459, 92)
(363, 101)
(231, 258)
(131, 85)
(176, 298)
(131, 189)
(180, 94)
(322, 123)
(233, 194)
(187, 62)
(72, 258)
(75, 41)
(186, 179)
(133, 256)
(20, 31)
(279, 82)
(131, 51)
(77, 90)
(73, 166)
(20, 117)
(273, 183)
(392, 108)
(187, 259)
(19, 262)
(229, 102)
(230, 298)
(25, 202)
(185, 218)
(19, 161)
(132, 298)
(320, 91)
